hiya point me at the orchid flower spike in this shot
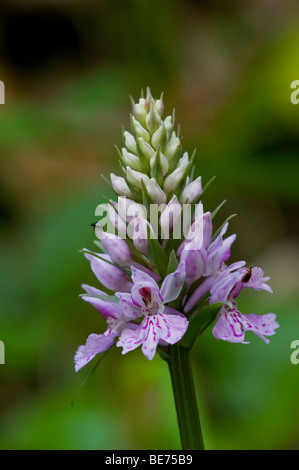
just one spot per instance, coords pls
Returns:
(161, 260)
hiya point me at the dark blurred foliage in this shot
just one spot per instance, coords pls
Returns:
(69, 68)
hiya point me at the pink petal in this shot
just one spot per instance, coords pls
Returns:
(151, 338)
(263, 324)
(129, 310)
(116, 247)
(196, 262)
(219, 252)
(140, 226)
(203, 289)
(94, 345)
(110, 276)
(257, 280)
(131, 339)
(231, 325)
(107, 309)
(141, 276)
(173, 283)
(173, 327)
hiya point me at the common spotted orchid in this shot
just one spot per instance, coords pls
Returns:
(162, 267)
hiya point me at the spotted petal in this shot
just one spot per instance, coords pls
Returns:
(231, 325)
(94, 344)
(161, 327)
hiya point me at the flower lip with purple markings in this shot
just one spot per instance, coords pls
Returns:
(163, 268)
(161, 324)
(231, 324)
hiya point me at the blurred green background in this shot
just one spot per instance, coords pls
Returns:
(69, 68)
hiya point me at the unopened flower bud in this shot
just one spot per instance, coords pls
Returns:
(168, 123)
(170, 216)
(139, 111)
(159, 138)
(184, 161)
(135, 177)
(159, 106)
(130, 142)
(157, 195)
(159, 164)
(116, 219)
(191, 192)
(201, 229)
(145, 148)
(139, 129)
(139, 226)
(153, 120)
(115, 246)
(173, 147)
(133, 210)
(129, 159)
(172, 180)
(120, 186)
(149, 99)
(128, 210)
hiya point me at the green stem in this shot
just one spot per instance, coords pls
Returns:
(185, 398)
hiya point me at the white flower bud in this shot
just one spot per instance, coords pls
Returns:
(139, 130)
(129, 159)
(120, 186)
(159, 138)
(172, 180)
(173, 147)
(168, 123)
(153, 120)
(184, 161)
(130, 142)
(145, 148)
(141, 103)
(149, 99)
(157, 195)
(135, 177)
(139, 110)
(191, 192)
(162, 162)
(159, 106)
